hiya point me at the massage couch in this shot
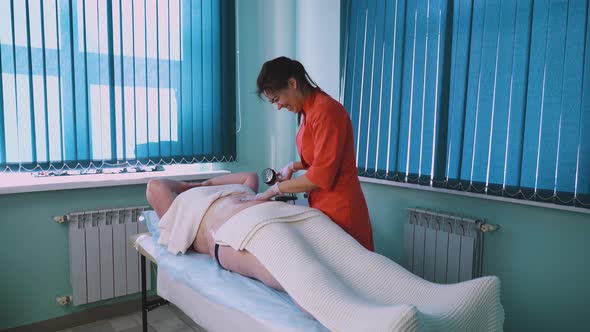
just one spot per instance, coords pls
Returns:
(215, 299)
(344, 286)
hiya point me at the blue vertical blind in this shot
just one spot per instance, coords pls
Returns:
(96, 82)
(483, 96)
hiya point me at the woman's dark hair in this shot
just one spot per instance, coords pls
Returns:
(275, 75)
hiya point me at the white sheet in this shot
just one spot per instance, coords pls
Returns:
(220, 300)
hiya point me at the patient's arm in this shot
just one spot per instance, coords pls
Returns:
(160, 193)
(249, 179)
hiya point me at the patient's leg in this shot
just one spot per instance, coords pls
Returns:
(246, 264)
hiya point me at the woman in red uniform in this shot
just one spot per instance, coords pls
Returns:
(326, 148)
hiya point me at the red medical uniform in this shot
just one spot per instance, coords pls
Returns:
(326, 147)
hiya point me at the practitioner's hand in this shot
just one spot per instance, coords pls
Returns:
(258, 197)
(286, 172)
(264, 196)
(249, 198)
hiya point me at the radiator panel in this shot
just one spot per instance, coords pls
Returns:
(102, 264)
(442, 248)
(454, 254)
(92, 258)
(442, 253)
(119, 255)
(418, 252)
(77, 247)
(430, 254)
(132, 256)
(466, 259)
(106, 256)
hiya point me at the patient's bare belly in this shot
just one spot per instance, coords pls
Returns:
(218, 213)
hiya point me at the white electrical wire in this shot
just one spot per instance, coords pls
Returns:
(238, 67)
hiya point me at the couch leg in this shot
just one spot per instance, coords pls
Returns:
(144, 308)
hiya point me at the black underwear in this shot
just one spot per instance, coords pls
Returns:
(217, 256)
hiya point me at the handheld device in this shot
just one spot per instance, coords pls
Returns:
(269, 177)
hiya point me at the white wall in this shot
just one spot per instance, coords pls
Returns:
(318, 41)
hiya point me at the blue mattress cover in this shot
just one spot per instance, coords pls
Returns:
(202, 273)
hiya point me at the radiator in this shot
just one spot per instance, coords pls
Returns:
(443, 248)
(102, 264)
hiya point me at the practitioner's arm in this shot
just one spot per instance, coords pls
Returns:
(297, 185)
(300, 184)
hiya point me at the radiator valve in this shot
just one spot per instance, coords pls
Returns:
(60, 219)
(485, 227)
(63, 300)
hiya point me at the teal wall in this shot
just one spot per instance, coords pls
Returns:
(540, 254)
(34, 256)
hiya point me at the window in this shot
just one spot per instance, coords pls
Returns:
(116, 82)
(484, 96)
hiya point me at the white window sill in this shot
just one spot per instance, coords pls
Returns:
(474, 195)
(13, 183)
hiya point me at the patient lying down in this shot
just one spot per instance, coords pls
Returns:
(300, 251)
(161, 193)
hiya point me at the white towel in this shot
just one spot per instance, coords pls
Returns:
(179, 226)
(348, 288)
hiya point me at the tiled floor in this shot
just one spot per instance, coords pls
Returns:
(166, 318)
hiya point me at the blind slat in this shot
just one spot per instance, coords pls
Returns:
(394, 31)
(570, 103)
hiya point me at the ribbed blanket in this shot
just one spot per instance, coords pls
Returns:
(348, 288)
